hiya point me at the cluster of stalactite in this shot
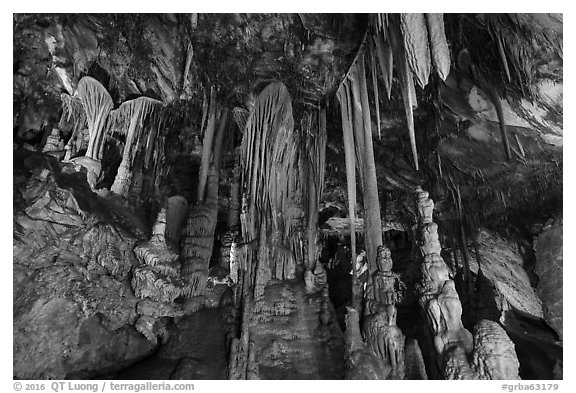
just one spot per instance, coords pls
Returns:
(270, 206)
(416, 43)
(282, 170)
(140, 120)
(129, 119)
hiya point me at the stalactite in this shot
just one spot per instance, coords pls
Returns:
(438, 297)
(383, 292)
(373, 221)
(375, 91)
(97, 104)
(314, 127)
(503, 56)
(207, 147)
(350, 170)
(466, 65)
(72, 111)
(130, 119)
(269, 168)
(217, 156)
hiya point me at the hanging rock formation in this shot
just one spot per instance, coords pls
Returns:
(282, 272)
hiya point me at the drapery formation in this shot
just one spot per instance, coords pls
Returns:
(131, 119)
(72, 112)
(97, 104)
(272, 189)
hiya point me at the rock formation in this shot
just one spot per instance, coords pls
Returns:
(492, 352)
(175, 218)
(549, 268)
(54, 145)
(172, 243)
(198, 240)
(380, 347)
(74, 312)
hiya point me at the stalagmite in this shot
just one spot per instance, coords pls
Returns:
(350, 170)
(438, 297)
(54, 145)
(315, 128)
(490, 348)
(383, 291)
(356, 119)
(271, 176)
(72, 112)
(158, 275)
(415, 36)
(198, 239)
(157, 280)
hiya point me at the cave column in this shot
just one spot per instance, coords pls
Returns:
(124, 176)
(438, 296)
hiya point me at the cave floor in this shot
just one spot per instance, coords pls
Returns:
(195, 350)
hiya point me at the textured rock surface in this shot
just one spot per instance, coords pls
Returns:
(74, 311)
(489, 353)
(549, 268)
(503, 267)
(494, 356)
(157, 281)
(287, 338)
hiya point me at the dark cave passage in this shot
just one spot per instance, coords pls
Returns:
(193, 351)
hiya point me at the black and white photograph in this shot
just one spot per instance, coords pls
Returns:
(287, 196)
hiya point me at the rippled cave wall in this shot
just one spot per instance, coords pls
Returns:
(201, 196)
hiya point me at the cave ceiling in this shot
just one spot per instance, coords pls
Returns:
(178, 58)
